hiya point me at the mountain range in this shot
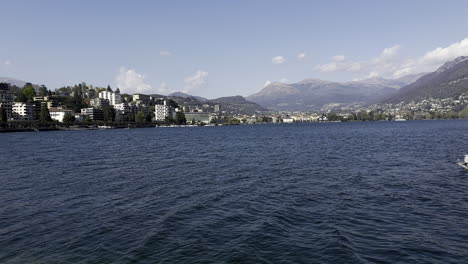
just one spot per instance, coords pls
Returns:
(450, 80)
(312, 94)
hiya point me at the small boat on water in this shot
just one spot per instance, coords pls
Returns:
(464, 163)
(399, 118)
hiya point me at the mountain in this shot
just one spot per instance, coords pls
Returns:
(312, 94)
(230, 104)
(450, 80)
(12, 81)
(185, 95)
(237, 104)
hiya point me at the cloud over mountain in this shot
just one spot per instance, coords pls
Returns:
(390, 64)
(196, 81)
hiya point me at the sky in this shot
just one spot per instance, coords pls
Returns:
(225, 48)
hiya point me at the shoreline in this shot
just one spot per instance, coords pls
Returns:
(133, 126)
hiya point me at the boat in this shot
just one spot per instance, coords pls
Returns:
(464, 164)
(399, 118)
(104, 127)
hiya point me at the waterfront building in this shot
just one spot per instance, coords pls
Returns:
(114, 98)
(217, 108)
(7, 98)
(92, 113)
(162, 110)
(59, 113)
(197, 117)
(99, 103)
(22, 111)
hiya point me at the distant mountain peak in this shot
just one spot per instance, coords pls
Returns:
(185, 95)
(450, 64)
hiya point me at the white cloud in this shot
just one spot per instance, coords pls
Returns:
(129, 81)
(163, 88)
(268, 82)
(301, 56)
(389, 63)
(339, 63)
(7, 62)
(165, 53)
(278, 60)
(338, 58)
(196, 81)
(433, 59)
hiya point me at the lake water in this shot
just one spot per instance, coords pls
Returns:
(361, 192)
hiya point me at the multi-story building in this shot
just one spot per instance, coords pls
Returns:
(114, 98)
(162, 110)
(141, 98)
(197, 117)
(7, 98)
(217, 108)
(22, 111)
(59, 113)
(92, 113)
(99, 103)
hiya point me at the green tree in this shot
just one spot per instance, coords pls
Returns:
(180, 119)
(20, 97)
(44, 115)
(117, 90)
(172, 103)
(169, 120)
(68, 118)
(149, 117)
(3, 115)
(109, 114)
(29, 91)
(140, 117)
(43, 90)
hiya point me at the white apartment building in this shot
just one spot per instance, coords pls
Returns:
(161, 111)
(22, 111)
(114, 98)
(59, 113)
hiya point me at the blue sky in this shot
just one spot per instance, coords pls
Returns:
(221, 48)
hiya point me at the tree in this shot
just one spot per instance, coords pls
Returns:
(20, 97)
(180, 118)
(169, 119)
(172, 103)
(3, 115)
(44, 115)
(43, 90)
(117, 90)
(140, 117)
(68, 118)
(109, 88)
(109, 114)
(29, 91)
(149, 117)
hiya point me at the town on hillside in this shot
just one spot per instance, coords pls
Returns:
(84, 105)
